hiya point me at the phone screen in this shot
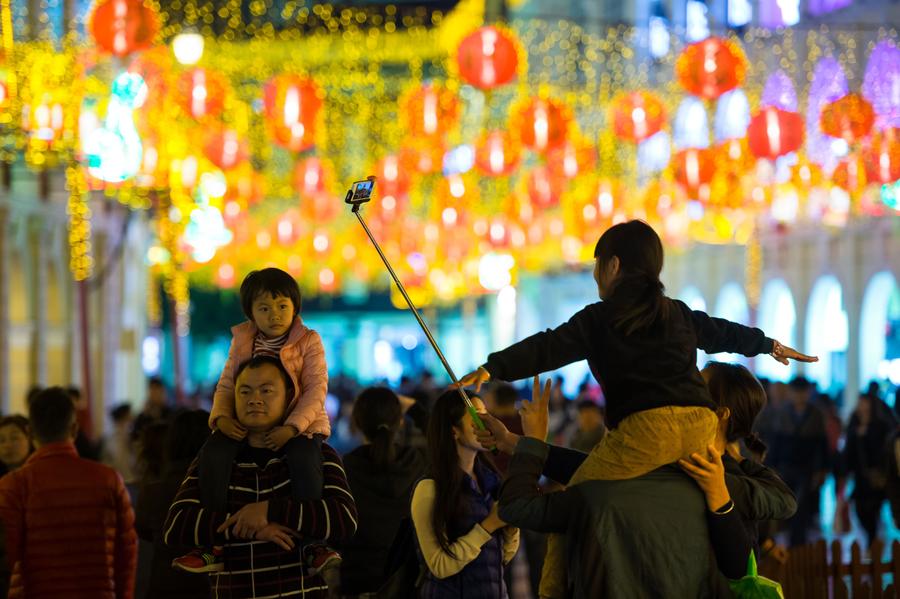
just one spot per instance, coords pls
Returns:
(362, 190)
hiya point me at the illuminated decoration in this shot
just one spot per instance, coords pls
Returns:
(779, 92)
(654, 154)
(660, 40)
(850, 174)
(292, 104)
(188, 48)
(545, 188)
(80, 262)
(890, 195)
(225, 149)
(542, 123)
(740, 13)
(121, 27)
(694, 168)
(691, 129)
(313, 179)
(459, 160)
(732, 115)
(881, 83)
(488, 58)
(821, 7)
(774, 132)
(779, 13)
(114, 151)
(429, 111)
(882, 159)
(496, 155)
(206, 233)
(494, 271)
(393, 182)
(697, 21)
(637, 116)
(572, 158)
(709, 68)
(201, 93)
(849, 118)
(422, 156)
(828, 84)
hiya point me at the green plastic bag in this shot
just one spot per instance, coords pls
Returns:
(754, 586)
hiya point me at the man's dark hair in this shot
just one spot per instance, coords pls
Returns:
(268, 281)
(258, 361)
(800, 383)
(32, 393)
(74, 392)
(51, 413)
(505, 395)
(120, 413)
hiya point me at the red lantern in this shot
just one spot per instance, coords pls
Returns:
(121, 27)
(850, 174)
(774, 132)
(543, 124)
(393, 181)
(711, 67)
(694, 168)
(429, 111)
(545, 189)
(201, 93)
(225, 149)
(571, 159)
(312, 179)
(488, 58)
(637, 116)
(292, 104)
(850, 118)
(883, 158)
(496, 155)
(424, 157)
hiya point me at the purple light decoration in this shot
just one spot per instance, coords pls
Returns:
(881, 83)
(821, 7)
(779, 92)
(828, 84)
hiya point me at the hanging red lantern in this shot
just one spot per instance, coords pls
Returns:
(313, 179)
(424, 157)
(496, 155)
(393, 181)
(882, 159)
(121, 27)
(543, 123)
(225, 149)
(571, 159)
(711, 67)
(774, 132)
(429, 111)
(637, 116)
(544, 188)
(292, 105)
(488, 57)
(201, 93)
(694, 167)
(850, 118)
(850, 174)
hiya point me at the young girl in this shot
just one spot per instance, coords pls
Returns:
(463, 542)
(641, 347)
(270, 298)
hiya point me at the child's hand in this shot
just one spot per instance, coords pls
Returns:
(535, 414)
(710, 476)
(278, 436)
(476, 378)
(785, 354)
(248, 520)
(231, 428)
(278, 534)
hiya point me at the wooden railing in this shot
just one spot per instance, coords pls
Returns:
(810, 574)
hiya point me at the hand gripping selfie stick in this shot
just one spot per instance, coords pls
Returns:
(359, 194)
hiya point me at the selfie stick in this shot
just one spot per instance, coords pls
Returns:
(462, 392)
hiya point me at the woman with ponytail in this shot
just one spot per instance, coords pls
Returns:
(381, 476)
(641, 347)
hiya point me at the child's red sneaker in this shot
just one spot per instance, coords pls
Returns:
(200, 561)
(319, 558)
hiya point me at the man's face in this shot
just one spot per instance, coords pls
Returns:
(273, 316)
(260, 398)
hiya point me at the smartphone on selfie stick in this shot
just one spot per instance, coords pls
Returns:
(360, 193)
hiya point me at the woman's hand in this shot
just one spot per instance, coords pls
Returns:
(231, 428)
(535, 414)
(785, 354)
(493, 523)
(495, 434)
(734, 450)
(710, 476)
(248, 520)
(278, 534)
(475, 378)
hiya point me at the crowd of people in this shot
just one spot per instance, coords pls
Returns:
(658, 479)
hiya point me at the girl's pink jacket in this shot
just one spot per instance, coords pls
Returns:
(303, 356)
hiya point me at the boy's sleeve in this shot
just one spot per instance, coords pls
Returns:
(717, 335)
(308, 415)
(223, 399)
(544, 351)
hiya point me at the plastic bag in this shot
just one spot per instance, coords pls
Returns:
(754, 586)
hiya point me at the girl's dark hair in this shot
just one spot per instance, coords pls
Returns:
(734, 387)
(449, 506)
(186, 435)
(377, 413)
(637, 299)
(268, 281)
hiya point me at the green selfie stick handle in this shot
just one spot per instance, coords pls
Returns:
(462, 392)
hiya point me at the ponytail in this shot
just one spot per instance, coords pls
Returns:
(377, 414)
(383, 449)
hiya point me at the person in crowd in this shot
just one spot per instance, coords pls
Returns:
(589, 426)
(15, 442)
(68, 521)
(118, 449)
(151, 447)
(501, 400)
(87, 445)
(381, 476)
(800, 454)
(865, 459)
(155, 408)
(263, 526)
(560, 414)
(271, 301)
(184, 438)
(620, 534)
(642, 348)
(767, 423)
(463, 542)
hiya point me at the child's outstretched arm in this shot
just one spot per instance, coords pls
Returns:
(715, 335)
